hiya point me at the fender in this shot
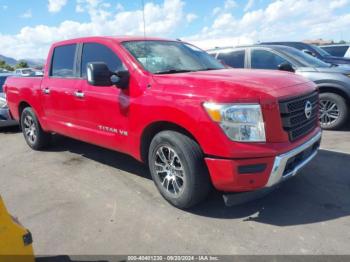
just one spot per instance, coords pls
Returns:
(335, 85)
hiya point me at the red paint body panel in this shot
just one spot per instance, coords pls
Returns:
(173, 98)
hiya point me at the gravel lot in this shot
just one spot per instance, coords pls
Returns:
(80, 199)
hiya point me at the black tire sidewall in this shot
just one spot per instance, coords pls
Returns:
(191, 167)
(41, 138)
(343, 110)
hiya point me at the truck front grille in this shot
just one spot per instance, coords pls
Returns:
(294, 117)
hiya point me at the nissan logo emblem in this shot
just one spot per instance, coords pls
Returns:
(308, 109)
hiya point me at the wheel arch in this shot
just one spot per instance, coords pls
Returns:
(156, 127)
(21, 106)
(336, 89)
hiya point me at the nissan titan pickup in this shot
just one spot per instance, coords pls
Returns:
(195, 123)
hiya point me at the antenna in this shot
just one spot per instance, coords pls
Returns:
(143, 17)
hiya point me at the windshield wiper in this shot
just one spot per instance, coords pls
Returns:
(173, 71)
(210, 68)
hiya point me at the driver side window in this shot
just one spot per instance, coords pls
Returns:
(263, 59)
(94, 52)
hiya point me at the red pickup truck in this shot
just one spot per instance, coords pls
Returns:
(171, 105)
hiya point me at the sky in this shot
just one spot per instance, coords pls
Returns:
(29, 27)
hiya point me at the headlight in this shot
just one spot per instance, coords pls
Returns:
(240, 122)
(3, 103)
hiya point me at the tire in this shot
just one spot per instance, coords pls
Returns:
(333, 111)
(34, 135)
(185, 188)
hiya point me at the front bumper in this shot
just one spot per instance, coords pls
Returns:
(6, 118)
(243, 175)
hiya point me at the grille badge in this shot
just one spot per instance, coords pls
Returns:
(308, 109)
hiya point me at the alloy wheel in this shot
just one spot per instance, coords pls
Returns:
(170, 170)
(329, 112)
(30, 130)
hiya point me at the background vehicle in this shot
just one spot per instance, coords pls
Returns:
(174, 106)
(333, 82)
(5, 116)
(15, 240)
(25, 71)
(314, 51)
(340, 50)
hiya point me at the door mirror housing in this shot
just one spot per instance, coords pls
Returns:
(98, 74)
(286, 67)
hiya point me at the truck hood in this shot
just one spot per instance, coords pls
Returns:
(232, 83)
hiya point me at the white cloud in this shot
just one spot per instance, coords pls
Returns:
(161, 20)
(27, 14)
(55, 6)
(191, 17)
(120, 7)
(229, 4)
(216, 10)
(249, 5)
(338, 3)
(280, 20)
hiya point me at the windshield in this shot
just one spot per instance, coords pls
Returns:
(304, 59)
(160, 57)
(320, 50)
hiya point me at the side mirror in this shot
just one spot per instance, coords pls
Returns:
(121, 79)
(98, 74)
(306, 51)
(286, 67)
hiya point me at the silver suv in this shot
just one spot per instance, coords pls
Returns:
(333, 81)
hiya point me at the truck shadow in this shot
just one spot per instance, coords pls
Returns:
(10, 130)
(99, 154)
(320, 193)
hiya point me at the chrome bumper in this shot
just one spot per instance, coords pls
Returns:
(278, 171)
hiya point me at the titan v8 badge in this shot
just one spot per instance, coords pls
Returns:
(113, 130)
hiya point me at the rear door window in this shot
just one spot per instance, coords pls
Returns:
(263, 59)
(234, 59)
(63, 61)
(94, 52)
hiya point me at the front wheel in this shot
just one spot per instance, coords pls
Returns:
(333, 111)
(34, 135)
(178, 170)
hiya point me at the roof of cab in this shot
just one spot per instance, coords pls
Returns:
(118, 39)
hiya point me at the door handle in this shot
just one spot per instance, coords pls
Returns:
(46, 91)
(79, 94)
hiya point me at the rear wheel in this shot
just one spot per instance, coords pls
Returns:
(333, 111)
(34, 135)
(178, 170)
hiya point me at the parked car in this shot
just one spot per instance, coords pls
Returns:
(16, 241)
(25, 72)
(333, 82)
(340, 50)
(5, 116)
(314, 51)
(175, 107)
